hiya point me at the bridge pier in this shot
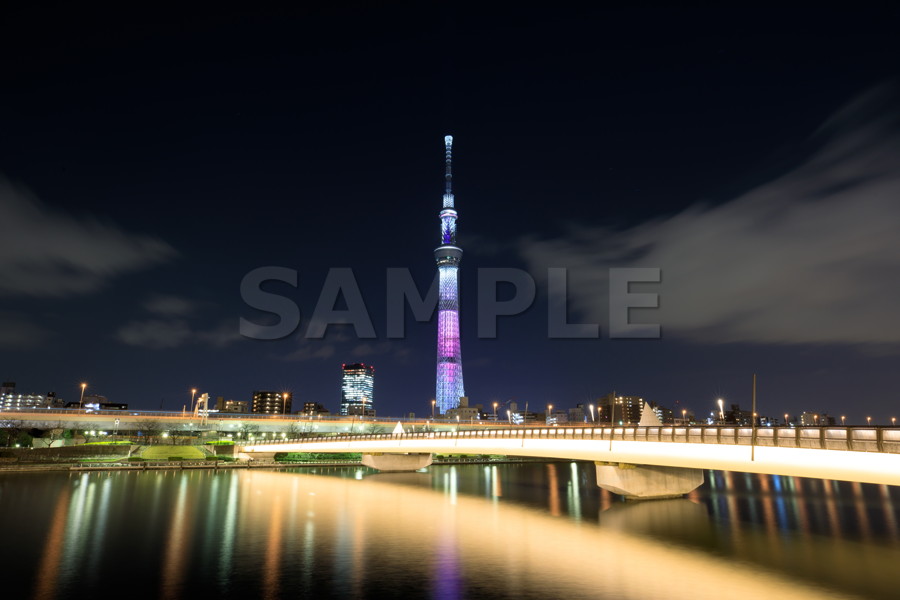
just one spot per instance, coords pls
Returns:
(646, 482)
(256, 455)
(397, 462)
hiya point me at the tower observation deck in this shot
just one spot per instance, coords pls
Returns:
(448, 255)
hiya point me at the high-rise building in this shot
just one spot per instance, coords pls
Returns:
(626, 410)
(358, 390)
(271, 403)
(448, 255)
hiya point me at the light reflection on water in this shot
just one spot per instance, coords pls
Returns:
(516, 531)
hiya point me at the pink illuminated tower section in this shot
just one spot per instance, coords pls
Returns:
(448, 254)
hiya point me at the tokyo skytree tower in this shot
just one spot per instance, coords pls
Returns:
(448, 254)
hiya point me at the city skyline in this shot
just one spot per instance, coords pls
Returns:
(147, 165)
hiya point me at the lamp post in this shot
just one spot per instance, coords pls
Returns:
(193, 393)
(284, 403)
(683, 416)
(495, 411)
(869, 420)
(843, 420)
(509, 417)
(893, 421)
(549, 409)
(432, 409)
(591, 406)
(612, 420)
(816, 420)
(786, 423)
(721, 410)
(81, 401)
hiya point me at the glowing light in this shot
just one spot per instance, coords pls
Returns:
(450, 385)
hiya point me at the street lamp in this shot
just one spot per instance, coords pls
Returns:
(591, 406)
(893, 421)
(81, 401)
(549, 408)
(843, 420)
(284, 403)
(495, 411)
(509, 417)
(683, 415)
(193, 393)
(721, 410)
(869, 420)
(432, 409)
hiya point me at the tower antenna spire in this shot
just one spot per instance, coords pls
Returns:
(448, 172)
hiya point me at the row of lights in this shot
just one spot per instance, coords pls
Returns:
(719, 401)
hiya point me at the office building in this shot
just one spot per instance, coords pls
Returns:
(358, 389)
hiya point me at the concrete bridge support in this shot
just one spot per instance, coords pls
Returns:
(397, 462)
(256, 455)
(645, 482)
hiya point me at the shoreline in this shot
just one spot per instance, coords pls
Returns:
(253, 464)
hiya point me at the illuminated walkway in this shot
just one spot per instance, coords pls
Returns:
(862, 454)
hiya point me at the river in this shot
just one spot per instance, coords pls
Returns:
(532, 530)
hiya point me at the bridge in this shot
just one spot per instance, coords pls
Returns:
(638, 462)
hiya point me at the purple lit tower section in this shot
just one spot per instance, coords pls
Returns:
(449, 361)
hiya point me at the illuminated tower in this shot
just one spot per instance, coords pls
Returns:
(448, 254)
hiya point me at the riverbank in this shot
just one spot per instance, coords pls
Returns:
(244, 464)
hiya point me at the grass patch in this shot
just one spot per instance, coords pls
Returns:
(306, 456)
(220, 443)
(173, 452)
(115, 443)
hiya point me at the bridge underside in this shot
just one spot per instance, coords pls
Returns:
(397, 462)
(642, 482)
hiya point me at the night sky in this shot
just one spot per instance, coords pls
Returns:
(150, 160)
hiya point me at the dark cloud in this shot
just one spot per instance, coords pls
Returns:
(155, 333)
(175, 332)
(45, 252)
(17, 331)
(170, 305)
(810, 257)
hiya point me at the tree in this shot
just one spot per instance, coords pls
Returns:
(373, 428)
(24, 439)
(299, 429)
(245, 429)
(9, 431)
(149, 427)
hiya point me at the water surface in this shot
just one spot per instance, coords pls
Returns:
(469, 531)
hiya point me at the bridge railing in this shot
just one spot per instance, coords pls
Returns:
(864, 439)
